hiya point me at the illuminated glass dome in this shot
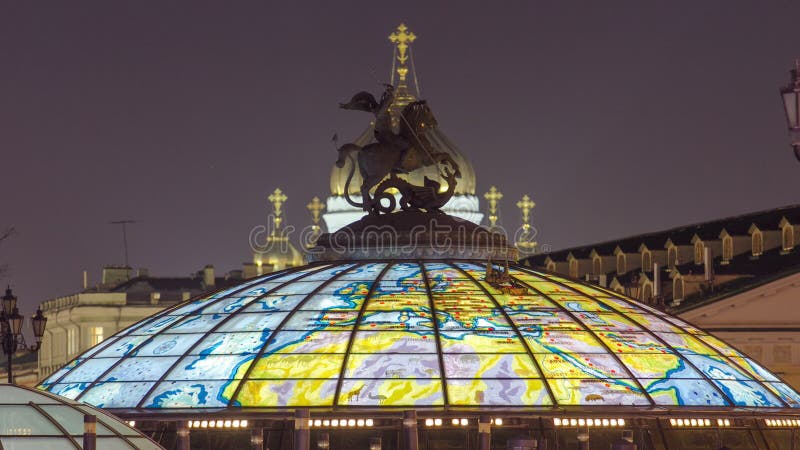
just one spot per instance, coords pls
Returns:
(37, 420)
(415, 333)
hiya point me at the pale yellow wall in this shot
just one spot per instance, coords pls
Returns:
(762, 322)
(81, 312)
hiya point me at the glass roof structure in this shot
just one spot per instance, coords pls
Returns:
(422, 334)
(37, 420)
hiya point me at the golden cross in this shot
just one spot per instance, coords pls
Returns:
(402, 39)
(493, 196)
(277, 198)
(526, 241)
(526, 205)
(315, 207)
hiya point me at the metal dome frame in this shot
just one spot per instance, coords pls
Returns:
(754, 375)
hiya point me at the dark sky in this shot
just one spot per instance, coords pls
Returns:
(618, 117)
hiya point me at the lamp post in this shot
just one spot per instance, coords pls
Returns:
(791, 105)
(11, 330)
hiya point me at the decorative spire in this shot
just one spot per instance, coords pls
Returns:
(401, 39)
(315, 207)
(277, 198)
(525, 241)
(493, 196)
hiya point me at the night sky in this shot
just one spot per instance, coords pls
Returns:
(617, 117)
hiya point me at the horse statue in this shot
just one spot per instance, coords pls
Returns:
(405, 151)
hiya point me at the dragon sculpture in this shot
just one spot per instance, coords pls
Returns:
(409, 149)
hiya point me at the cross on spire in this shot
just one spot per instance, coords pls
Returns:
(315, 207)
(525, 241)
(277, 198)
(402, 39)
(525, 205)
(493, 196)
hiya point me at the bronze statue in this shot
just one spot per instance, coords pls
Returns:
(393, 153)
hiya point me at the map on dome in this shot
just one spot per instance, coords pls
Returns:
(414, 333)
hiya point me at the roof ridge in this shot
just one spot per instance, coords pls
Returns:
(675, 229)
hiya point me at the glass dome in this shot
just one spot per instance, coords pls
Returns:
(426, 334)
(37, 420)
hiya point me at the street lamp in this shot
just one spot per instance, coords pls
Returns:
(11, 329)
(791, 105)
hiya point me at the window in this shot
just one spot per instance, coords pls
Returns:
(621, 263)
(757, 243)
(677, 289)
(97, 335)
(573, 268)
(647, 293)
(72, 341)
(698, 252)
(788, 237)
(647, 261)
(672, 256)
(727, 248)
(551, 266)
(597, 266)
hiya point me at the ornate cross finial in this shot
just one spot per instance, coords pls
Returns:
(401, 39)
(277, 198)
(525, 205)
(493, 196)
(315, 207)
(525, 240)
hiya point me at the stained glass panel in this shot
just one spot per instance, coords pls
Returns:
(392, 365)
(494, 392)
(597, 391)
(392, 392)
(571, 365)
(489, 365)
(89, 371)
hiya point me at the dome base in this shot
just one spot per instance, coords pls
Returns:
(412, 234)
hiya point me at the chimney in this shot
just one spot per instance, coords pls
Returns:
(234, 275)
(114, 275)
(208, 276)
(707, 263)
(249, 270)
(85, 280)
(656, 280)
